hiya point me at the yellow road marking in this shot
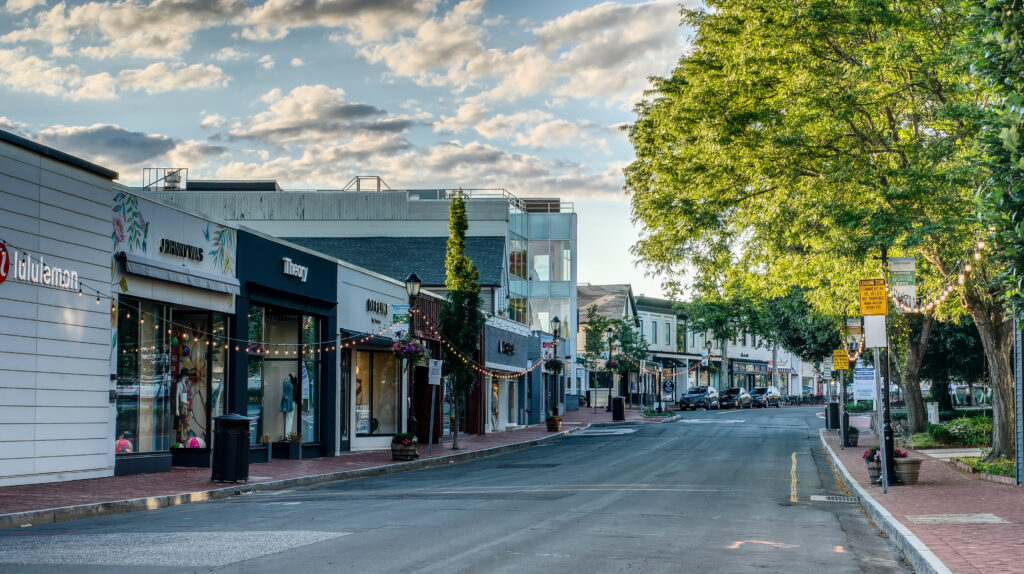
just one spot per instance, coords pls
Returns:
(729, 411)
(792, 480)
(739, 543)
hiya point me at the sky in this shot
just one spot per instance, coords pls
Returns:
(524, 95)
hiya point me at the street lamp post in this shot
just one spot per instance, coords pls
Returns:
(412, 288)
(556, 327)
(611, 375)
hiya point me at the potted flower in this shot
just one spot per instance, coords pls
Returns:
(290, 447)
(873, 458)
(908, 468)
(553, 366)
(408, 349)
(852, 436)
(403, 446)
(554, 423)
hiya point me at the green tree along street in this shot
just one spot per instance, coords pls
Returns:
(595, 339)
(798, 139)
(461, 320)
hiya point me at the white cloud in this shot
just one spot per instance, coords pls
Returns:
(447, 42)
(163, 77)
(466, 116)
(23, 72)
(317, 113)
(366, 21)
(160, 29)
(19, 6)
(297, 63)
(212, 121)
(505, 126)
(229, 54)
(15, 127)
(267, 62)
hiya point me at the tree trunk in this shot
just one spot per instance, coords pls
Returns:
(912, 380)
(996, 332)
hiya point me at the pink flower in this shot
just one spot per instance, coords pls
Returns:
(119, 228)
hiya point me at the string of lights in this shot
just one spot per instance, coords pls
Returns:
(957, 277)
(466, 360)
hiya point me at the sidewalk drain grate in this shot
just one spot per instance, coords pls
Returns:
(830, 498)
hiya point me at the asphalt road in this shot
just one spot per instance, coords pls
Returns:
(720, 491)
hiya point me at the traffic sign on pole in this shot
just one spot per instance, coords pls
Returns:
(840, 360)
(873, 299)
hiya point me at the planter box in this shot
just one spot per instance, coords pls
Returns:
(191, 457)
(404, 452)
(287, 449)
(554, 426)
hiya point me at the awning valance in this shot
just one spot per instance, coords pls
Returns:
(154, 269)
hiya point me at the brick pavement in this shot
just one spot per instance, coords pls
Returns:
(100, 491)
(942, 489)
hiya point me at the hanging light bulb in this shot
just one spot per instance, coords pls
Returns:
(977, 255)
(960, 279)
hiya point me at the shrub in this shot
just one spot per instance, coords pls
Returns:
(940, 433)
(922, 440)
(858, 407)
(976, 431)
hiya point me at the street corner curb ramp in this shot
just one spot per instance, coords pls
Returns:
(92, 510)
(920, 557)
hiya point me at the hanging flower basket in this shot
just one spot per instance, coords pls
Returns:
(553, 366)
(409, 350)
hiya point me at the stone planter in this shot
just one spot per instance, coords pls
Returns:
(874, 470)
(404, 452)
(908, 468)
(554, 426)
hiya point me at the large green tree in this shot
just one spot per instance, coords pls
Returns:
(999, 33)
(796, 138)
(595, 330)
(461, 319)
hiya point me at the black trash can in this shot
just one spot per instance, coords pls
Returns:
(618, 408)
(832, 416)
(230, 448)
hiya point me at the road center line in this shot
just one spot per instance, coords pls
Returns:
(792, 480)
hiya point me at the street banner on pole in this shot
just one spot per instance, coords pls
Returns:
(840, 360)
(903, 280)
(873, 300)
(864, 384)
(399, 320)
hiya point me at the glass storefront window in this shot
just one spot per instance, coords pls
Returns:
(540, 261)
(310, 379)
(143, 404)
(281, 383)
(190, 387)
(254, 399)
(517, 257)
(377, 393)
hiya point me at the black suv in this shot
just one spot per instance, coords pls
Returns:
(696, 397)
(765, 396)
(736, 397)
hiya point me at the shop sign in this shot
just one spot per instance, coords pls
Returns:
(5, 264)
(295, 270)
(35, 271)
(434, 377)
(378, 307)
(506, 348)
(171, 247)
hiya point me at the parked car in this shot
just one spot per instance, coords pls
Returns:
(765, 397)
(736, 398)
(697, 397)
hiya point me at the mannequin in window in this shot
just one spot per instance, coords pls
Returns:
(288, 403)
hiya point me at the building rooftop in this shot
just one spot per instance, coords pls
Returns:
(658, 305)
(58, 155)
(612, 300)
(397, 257)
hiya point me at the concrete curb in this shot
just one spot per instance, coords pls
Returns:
(920, 557)
(77, 512)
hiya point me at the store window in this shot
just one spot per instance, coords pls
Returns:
(283, 375)
(143, 377)
(668, 334)
(377, 393)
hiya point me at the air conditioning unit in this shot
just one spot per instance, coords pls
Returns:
(173, 180)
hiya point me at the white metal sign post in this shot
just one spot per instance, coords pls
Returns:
(434, 379)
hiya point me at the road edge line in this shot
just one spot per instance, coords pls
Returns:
(920, 557)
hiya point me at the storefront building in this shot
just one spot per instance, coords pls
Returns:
(507, 345)
(375, 398)
(56, 416)
(176, 277)
(283, 348)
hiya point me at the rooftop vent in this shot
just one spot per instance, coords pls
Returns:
(164, 178)
(366, 183)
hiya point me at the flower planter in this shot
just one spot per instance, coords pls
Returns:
(287, 449)
(908, 468)
(554, 426)
(404, 452)
(874, 470)
(852, 436)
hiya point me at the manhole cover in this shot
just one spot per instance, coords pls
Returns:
(956, 519)
(830, 498)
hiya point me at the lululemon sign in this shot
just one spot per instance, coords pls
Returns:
(5, 263)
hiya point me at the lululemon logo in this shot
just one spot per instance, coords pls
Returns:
(5, 263)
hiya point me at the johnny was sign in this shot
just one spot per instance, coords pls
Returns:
(23, 267)
(171, 247)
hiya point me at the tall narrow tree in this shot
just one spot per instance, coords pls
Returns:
(461, 319)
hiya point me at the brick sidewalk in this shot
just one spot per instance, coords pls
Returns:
(184, 481)
(942, 489)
